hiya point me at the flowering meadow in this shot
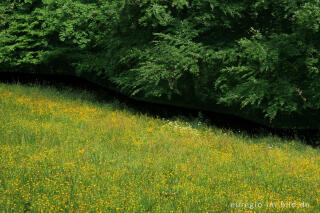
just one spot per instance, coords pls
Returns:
(65, 151)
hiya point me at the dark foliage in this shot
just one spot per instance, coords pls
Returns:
(252, 58)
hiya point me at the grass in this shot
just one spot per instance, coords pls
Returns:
(62, 150)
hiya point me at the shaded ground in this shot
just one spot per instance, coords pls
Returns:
(224, 121)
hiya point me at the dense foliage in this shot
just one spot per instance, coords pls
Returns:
(254, 58)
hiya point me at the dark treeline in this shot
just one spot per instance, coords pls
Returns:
(253, 58)
(223, 121)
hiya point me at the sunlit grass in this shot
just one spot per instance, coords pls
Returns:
(64, 151)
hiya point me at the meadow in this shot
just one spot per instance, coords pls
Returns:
(62, 150)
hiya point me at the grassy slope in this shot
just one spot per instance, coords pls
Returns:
(64, 151)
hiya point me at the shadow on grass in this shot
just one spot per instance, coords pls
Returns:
(222, 121)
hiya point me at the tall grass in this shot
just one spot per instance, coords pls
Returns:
(65, 151)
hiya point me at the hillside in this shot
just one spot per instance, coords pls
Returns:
(63, 150)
